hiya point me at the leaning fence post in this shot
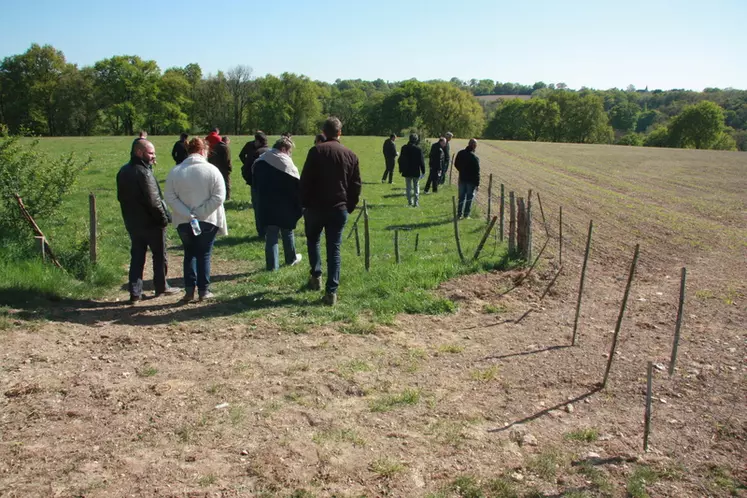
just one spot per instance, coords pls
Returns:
(93, 218)
(490, 196)
(560, 238)
(357, 241)
(396, 246)
(620, 316)
(581, 283)
(511, 223)
(366, 236)
(485, 237)
(502, 211)
(647, 415)
(456, 229)
(677, 326)
(542, 212)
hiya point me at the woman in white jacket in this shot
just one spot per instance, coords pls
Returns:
(195, 190)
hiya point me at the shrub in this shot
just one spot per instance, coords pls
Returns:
(659, 137)
(634, 139)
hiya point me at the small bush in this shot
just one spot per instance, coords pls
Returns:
(634, 139)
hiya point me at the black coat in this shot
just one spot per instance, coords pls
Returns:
(468, 165)
(248, 155)
(140, 198)
(220, 157)
(390, 151)
(411, 161)
(436, 157)
(277, 199)
(331, 177)
(179, 152)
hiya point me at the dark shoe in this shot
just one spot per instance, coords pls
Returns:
(315, 283)
(134, 298)
(189, 295)
(171, 291)
(330, 298)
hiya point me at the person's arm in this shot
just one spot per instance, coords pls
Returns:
(217, 197)
(244, 152)
(477, 169)
(173, 199)
(307, 177)
(174, 152)
(354, 187)
(229, 166)
(149, 186)
(422, 162)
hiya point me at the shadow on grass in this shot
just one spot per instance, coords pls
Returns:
(179, 282)
(525, 353)
(230, 241)
(153, 311)
(422, 225)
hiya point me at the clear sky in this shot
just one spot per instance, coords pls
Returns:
(596, 43)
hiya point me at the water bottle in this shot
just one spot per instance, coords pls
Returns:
(195, 224)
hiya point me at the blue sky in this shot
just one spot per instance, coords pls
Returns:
(601, 44)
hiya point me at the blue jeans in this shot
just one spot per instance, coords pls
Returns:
(466, 196)
(155, 239)
(197, 251)
(412, 187)
(332, 221)
(271, 246)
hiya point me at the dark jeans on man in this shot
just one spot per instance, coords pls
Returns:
(389, 171)
(332, 221)
(271, 247)
(197, 251)
(260, 229)
(433, 179)
(466, 195)
(444, 170)
(155, 239)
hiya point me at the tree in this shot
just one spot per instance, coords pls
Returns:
(624, 116)
(238, 80)
(168, 103)
(213, 103)
(648, 119)
(399, 109)
(585, 121)
(508, 122)
(700, 126)
(444, 107)
(540, 117)
(301, 104)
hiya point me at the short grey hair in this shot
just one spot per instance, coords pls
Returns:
(332, 127)
(449, 135)
(284, 143)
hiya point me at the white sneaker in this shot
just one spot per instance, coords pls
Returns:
(298, 260)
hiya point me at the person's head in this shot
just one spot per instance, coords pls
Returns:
(392, 137)
(145, 151)
(442, 141)
(284, 145)
(472, 145)
(332, 128)
(449, 135)
(414, 138)
(260, 139)
(225, 139)
(183, 137)
(319, 139)
(197, 146)
(143, 134)
(287, 134)
(215, 130)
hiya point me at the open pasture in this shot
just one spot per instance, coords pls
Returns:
(400, 390)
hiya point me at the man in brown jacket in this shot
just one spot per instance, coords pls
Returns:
(330, 189)
(220, 157)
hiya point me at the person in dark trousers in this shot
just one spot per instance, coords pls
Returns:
(412, 167)
(435, 162)
(179, 151)
(390, 154)
(145, 218)
(447, 156)
(468, 165)
(330, 189)
(278, 199)
(249, 154)
(220, 157)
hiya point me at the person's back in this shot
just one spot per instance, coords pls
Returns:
(436, 156)
(197, 184)
(331, 177)
(411, 162)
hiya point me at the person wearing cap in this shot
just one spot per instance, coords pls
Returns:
(435, 162)
(390, 154)
(468, 165)
(447, 156)
(412, 167)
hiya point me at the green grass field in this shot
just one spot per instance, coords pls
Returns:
(238, 259)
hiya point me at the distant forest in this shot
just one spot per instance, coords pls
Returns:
(43, 94)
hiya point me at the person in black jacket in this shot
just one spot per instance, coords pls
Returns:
(447, 156)
(145, 218)
(468, 165)
(278, 201)
(249, 154)
(412, 167)
(179, 151)
(435, 162)
(390, 154)
(330, 190)
(220, 157)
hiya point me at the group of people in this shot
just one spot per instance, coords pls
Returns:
(197, 187)
(411, 162)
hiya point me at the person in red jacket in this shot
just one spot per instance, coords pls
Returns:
(213, 138)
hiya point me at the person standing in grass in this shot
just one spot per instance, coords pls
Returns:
(390, 154)
(179, 151)
(220, 157)
(435, 162)
(278, 201)
(195, 190)
(145, 218)
(412, 167)
(447, 156)
(468, 165)
(330, 189)
(249, 154)
(213, 138)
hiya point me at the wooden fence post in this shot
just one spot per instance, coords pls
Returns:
(456, 229)
(485, 237)
(366, 236)
(396, 246)
(620, 316)
(542, 212)
(41, 242)
(529, 227)
(502, 211)
(490, 196)
(581, 283)
(520, 225)
(417, 241)
(452, 167)
(677, 326)
(647, 415)
(93, 224)
(560, 238)
(511, 223)
(357, 241)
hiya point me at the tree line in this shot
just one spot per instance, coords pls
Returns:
(41, 93)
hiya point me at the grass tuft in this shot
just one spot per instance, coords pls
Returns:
(485, 374)
(386, 468)
(391, 401)
(584, 435)
(642, 476)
